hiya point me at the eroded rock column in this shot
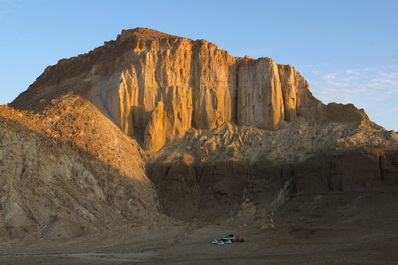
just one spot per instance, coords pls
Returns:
(260, 99)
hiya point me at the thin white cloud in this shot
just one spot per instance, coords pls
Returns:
(4, 12)
(385, 111)
(360, 85)
(389, 75)
(369, 88)
(7, 6)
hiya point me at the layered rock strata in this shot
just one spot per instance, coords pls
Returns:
(250, 192)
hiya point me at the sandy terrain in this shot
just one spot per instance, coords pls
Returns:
(322, 229)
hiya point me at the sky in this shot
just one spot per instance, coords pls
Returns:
(346, 49)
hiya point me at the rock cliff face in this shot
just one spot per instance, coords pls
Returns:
(199, 86)
(250, 192)
(171, 84)
(154, 84)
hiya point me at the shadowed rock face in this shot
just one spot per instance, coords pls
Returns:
(364, 170)
(218, 191)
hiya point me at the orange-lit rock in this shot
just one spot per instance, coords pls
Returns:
(215, 87)
(157, 86)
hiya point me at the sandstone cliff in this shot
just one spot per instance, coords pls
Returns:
(154, 84)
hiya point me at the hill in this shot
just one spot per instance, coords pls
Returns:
(155, 130)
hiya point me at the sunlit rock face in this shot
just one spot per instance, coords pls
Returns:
(194, 81)
(198, 84)
(260, 99)
(156, 86)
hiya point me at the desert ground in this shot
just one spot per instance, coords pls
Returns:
(323, 229)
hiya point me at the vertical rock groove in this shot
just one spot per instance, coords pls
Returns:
(199, 85)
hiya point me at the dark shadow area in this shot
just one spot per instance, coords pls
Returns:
(217, 191)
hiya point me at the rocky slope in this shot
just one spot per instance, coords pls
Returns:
(63, 180)
(183, 124)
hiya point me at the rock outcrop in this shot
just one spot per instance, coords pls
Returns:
(224, 190)
(260, 98)
(191, 79)
(199, 86)
(358, 170)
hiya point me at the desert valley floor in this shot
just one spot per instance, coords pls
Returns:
(321, 231)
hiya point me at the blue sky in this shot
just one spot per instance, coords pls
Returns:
(346, 49)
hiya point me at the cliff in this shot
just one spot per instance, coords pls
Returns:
(156, 86)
